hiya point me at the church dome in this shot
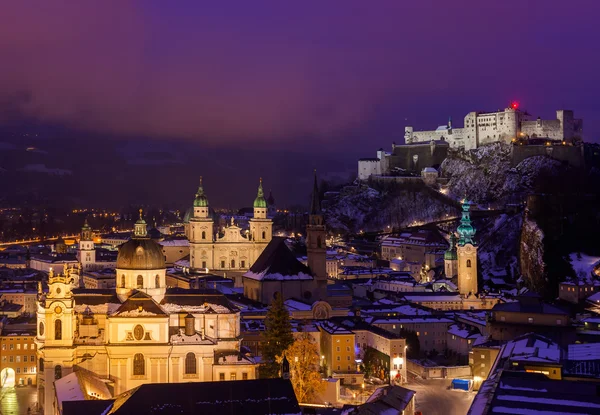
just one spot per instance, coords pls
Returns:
(140, 254)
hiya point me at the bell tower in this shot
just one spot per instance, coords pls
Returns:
(56, 323)
(201, 232)
(316, 246)
(86, 254)
(467, 254)
(261, 227)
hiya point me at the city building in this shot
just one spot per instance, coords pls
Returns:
(18, 366)
(26, 296)
(142, 332)
(338, 353)
(530, 314)
(278, 270)
(422, 246)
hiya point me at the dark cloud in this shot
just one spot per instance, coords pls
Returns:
(258, 72)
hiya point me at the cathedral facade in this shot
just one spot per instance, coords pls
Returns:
(234, 249)
(142, 332)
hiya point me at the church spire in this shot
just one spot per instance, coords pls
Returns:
(466, 231)
(260, 201)
(140, 228)
(315, 204)
(201, 200)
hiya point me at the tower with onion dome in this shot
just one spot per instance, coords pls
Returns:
(201, 233)
(261, 227)
(466, 251)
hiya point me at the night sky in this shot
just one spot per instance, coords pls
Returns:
(276, 88)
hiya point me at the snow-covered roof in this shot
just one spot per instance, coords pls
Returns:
(175, 242)
(586, 351)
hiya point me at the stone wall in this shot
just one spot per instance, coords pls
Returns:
(572, 154)
(437, 372)
(415, 157)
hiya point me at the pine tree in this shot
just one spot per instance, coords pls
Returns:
(303, 356)
(277, 337)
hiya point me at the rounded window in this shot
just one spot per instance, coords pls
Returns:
(58, 290)
(138, 332)
(41, 330)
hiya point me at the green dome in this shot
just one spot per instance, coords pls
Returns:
(260, 201)
(201, 200)
(451, 254)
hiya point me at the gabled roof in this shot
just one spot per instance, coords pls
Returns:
(277, 262)
(241, 397)
(196, 301)
(140, 305)
(388, 399)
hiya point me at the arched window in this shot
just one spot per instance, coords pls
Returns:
(203, 235)
(190, 364)
(140, 282)
(58, 330)
(57, 372)
(318, 242)
(468, 263)
(233, 263)
(139, 365)
(157, 282)
(264, 235)
(122, 281)
(41, 364)
(41, 330)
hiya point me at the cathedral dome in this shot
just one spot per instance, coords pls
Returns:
(140, 254)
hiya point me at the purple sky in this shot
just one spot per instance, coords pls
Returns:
(278, 73)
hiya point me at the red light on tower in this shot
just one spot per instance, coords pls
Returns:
(514, 105)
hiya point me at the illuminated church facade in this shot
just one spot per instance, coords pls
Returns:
(140, 332)
(233, 250)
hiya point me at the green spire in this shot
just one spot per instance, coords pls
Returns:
(201, 200)
(466, 230)
(450, 254)
(260, 201)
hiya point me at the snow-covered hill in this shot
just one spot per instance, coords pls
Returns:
(366, 209)
(485, 175)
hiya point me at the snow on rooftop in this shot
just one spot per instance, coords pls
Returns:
(587, 351)
(171, 308)
(297, 305)
(265, 275)
(585, 266)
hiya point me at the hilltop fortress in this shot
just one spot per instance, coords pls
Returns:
(427, 149)
(504, 126)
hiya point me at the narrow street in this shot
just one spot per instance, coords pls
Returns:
(434, 398)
